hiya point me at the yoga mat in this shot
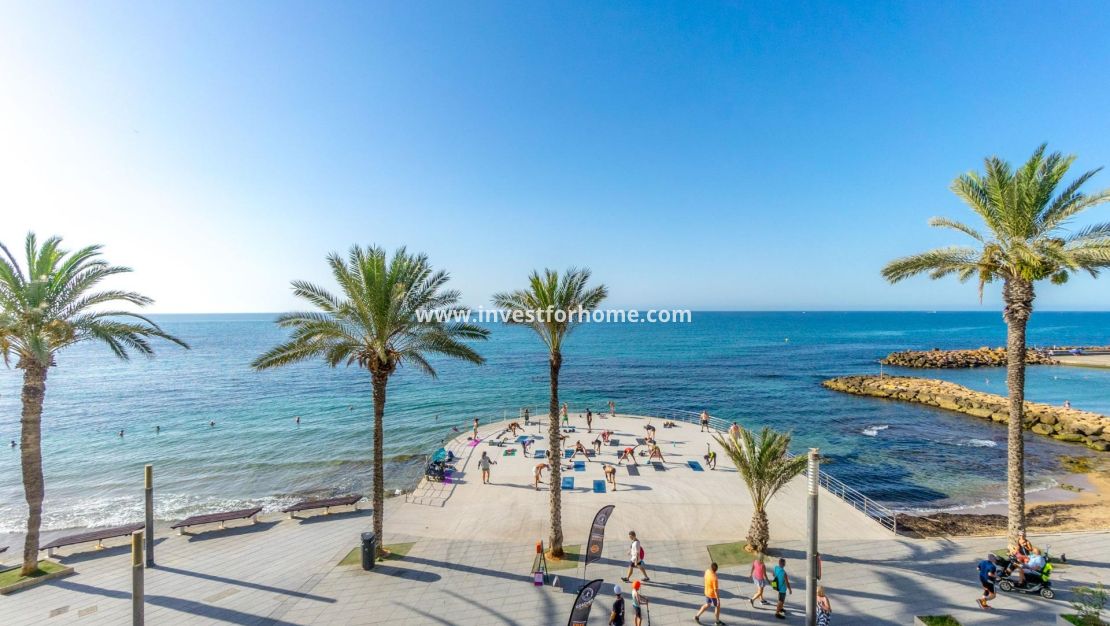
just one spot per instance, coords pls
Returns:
(599, 486)
(511, 452)
(694, 465)
(579, 466)
(633, 470)
(474, 442)
(568, 453)
(614, 442)
(521, 438)
(658, 466)
(568, 482)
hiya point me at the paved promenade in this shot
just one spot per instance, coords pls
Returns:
(473, 545)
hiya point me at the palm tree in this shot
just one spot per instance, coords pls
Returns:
(44, 309)
(1026, 240)
(553, 307)
(765, 465)
(392, 312)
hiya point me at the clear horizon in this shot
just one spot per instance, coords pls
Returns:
(698, 156)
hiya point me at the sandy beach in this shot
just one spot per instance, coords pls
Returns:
(1081, 502)
(1085, 360)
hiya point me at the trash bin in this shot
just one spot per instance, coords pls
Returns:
(369, 550)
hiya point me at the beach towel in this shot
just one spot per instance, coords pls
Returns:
(568, 482)
(694, 465)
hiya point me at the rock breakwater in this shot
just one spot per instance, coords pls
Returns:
(982, 357)
(1072, 425)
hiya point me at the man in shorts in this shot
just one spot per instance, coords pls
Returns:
(634, 558)
(537, 474)
(988, 575)
(782, 585)
(704, 421)
(712, 595)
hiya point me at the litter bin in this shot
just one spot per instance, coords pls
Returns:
(369, 550)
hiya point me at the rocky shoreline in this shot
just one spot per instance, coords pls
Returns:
(957, 359)
(1071, 425)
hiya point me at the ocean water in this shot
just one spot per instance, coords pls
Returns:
(758, 368)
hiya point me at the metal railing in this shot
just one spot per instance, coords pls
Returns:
(855, 498)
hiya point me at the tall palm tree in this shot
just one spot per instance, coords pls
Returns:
(552, 306)
(45, 308)
(392, 312)
(1026, 240)
(765, 466)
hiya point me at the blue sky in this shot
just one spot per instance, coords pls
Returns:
(693, 154)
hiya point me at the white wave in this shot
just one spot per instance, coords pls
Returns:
(978, 443)
(873, 431)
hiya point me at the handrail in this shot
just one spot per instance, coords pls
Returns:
(882, 514)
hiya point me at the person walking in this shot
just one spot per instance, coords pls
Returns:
(616, 617)
(639, 603)
(704, 421)
(712, 596)
(988, 575)
(781, 582)
(759, 579)
(824, 608)
(483, 464)
(635, 557)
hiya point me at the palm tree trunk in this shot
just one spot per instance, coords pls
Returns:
(378, 382)
(1018, 297)
(555, 455)
(759, 533)
(34, 390)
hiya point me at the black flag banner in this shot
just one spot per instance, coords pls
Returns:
(580, 614)
(597, 534)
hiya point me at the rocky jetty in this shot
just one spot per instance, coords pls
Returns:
(983, 357)
(1090, 429)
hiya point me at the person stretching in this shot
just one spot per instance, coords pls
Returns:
(656, 453)
(611, 475)
(580, 449)
(627, 455)
(537, 474)
(597, 446)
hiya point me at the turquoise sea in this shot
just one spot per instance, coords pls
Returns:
(758, 368)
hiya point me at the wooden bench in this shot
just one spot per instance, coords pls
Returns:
(326, 504)
(93, 535)
(217, 518)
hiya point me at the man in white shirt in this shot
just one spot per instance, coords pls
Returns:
(634, 557)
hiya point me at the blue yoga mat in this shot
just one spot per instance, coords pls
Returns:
(633, 470)
(568, 482)
(521, 438)
(694, 465)
(568, 453)
(599, 486)
(579, 466)
(539, 454)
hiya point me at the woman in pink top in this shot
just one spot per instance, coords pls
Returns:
(759, 579)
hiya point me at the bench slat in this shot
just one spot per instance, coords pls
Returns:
(322, 504)
(212, 518)
(94, 535)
